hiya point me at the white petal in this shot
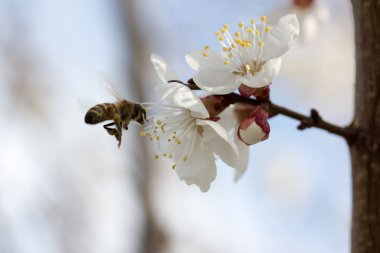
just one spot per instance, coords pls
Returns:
(216, 81)
(163, 70)
(219, 141)
(280, 37)
(252, 135)
(179, 95)
(265, 76)
(242, 162)
(199, 169)
(196, 60)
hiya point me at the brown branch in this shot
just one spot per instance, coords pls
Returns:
(314, 120)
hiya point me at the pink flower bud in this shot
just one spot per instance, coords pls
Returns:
(255, 127)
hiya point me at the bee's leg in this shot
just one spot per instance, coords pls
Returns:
(118, 121)
(113, 131)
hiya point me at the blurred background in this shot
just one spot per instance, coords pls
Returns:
(65, 187)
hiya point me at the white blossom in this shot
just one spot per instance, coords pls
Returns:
(252, 56)
(184, 133)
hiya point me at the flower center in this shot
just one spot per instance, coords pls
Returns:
(174, 129)
(244, 51)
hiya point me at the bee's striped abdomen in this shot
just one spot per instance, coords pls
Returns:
(100, 113)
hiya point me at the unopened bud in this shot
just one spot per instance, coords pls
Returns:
(254, 128)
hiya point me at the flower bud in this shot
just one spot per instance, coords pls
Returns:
(255, 127)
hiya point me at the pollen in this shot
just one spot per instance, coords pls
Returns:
(223, 30)
(237, 34)
(267, 29)
(263, 18)
(142, 133)
(241, 24)
(225, 26)
(257, 32)
(250, 30)
(217, 33)
(220, 38)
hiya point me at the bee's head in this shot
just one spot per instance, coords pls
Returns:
(139, 114)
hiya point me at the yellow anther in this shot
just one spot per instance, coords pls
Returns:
(257, 32)
(151, 139)
(185, 158)
(156, 156)
(220, 38)
(225, 49)
(226, 62)
(261, 43)
(159, 122)
(169, 140)
(174, 132)
(263, 18)
(267, 29)
(237, 34)
(225, 26)
(252, 21)
(217, 33)
(149, 134)
(249, 29)
(247, 68)
(241, 24)
(233, 45)
(206, 47)
(170, 155)
(223, 30)
(173, 167)
(205, 54)
(158, 138)
(163, 128)
(165, 155)
(230, 55)
(142, 133)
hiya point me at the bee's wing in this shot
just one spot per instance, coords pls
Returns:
(107, 85)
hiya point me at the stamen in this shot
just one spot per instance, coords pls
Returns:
(226, 62)
(206, 47)
(267, 29)
(156, 157)
(185, 158)
(217, 33)
(252, 21)
(205, 54)
(261, 43)
(174, 167)
(241, 24)
(263, 18)
(247, 68)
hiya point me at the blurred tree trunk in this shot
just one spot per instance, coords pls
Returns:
(365, 152)
(153, 239)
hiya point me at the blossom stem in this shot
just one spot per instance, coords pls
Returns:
(349, 133)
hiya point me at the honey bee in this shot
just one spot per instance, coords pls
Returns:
(121, 113)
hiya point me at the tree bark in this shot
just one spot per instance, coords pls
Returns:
(365, 153)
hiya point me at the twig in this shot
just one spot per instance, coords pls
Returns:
(314, 120)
